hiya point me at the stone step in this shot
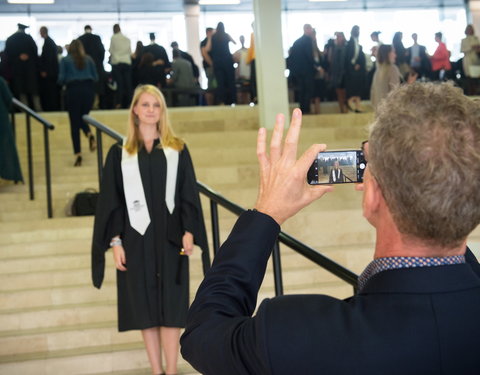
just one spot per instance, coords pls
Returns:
(53, 321)
(34, 249)
(44, 318)
(121, 358)
(79, 289)
(73, 269)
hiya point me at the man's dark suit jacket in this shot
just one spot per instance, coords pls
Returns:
(300, 61)
(425, 66)
(407, 321)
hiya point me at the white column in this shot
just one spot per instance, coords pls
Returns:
(192, 13)
(473, 13)
(269, 62)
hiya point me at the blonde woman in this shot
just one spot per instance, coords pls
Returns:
(149, 213)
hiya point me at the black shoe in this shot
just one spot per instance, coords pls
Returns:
(78, 161)
(91, 140)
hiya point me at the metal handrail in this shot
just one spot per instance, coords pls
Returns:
(46, 127)
(308, 252)
(217, 199)
(99, 129)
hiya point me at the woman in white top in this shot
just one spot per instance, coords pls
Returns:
(470, 47)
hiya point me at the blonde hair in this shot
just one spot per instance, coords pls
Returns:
(425, 155)
(167, 136)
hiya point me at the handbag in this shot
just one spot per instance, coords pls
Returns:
(85, 203)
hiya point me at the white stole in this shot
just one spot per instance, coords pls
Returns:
(334, 174)
(133, 188)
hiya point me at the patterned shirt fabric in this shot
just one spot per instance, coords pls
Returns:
(392, 263)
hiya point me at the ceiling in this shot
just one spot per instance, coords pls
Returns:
(126, 6)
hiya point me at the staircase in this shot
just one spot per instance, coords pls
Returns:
(53, 321)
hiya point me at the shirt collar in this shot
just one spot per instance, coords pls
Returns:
(392, 263)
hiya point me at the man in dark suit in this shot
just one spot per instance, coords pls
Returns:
(418, 59)
(302, 67)
(417, 308)
(49, 90)
(94, 47)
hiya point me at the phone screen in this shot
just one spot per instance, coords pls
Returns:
(337, 167)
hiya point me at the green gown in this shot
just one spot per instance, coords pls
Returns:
(9, 163)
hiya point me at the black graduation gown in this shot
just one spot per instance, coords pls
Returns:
(24, 72)
(9, 162)
(50, 91)
(159, 53)
(355, 79)
(154, 291)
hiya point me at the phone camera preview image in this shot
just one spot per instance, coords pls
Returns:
(337, 167)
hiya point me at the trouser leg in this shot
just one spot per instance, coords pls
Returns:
(74, 105)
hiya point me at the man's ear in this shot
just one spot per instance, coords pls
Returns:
(373, 199)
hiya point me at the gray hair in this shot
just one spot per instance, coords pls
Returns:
(424, 152)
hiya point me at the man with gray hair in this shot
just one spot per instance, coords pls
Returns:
(418, 302)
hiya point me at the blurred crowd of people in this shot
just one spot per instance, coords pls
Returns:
(37, 81)
(343, 71)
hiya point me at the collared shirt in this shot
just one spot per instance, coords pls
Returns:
(356, 51)
(415, 52)
(120, 49)
(392, 263)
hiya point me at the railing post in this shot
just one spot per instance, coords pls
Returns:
(29, 157)
(99, 156)
(277, 269)
(215, 227)
(47, 172)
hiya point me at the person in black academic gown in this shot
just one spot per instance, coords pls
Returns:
(9, 162)
(92, 43)
(50, 91)
(152, 268)
(22, 57)
(161, 62)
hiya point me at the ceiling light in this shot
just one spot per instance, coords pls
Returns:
(31, 1)
(219, 2)
(325, 1)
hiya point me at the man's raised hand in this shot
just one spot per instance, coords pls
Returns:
(283, 179)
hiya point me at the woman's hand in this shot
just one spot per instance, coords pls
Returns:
(119, 257)
(187, 242)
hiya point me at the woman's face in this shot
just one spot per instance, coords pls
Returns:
(392, 56)
(147, 109)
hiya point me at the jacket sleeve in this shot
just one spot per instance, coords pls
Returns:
(221, 336)
(109, 213)
(191, 207)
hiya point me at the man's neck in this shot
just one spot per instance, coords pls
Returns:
(391, 243)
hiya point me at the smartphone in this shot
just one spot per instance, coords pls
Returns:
(337, 167)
